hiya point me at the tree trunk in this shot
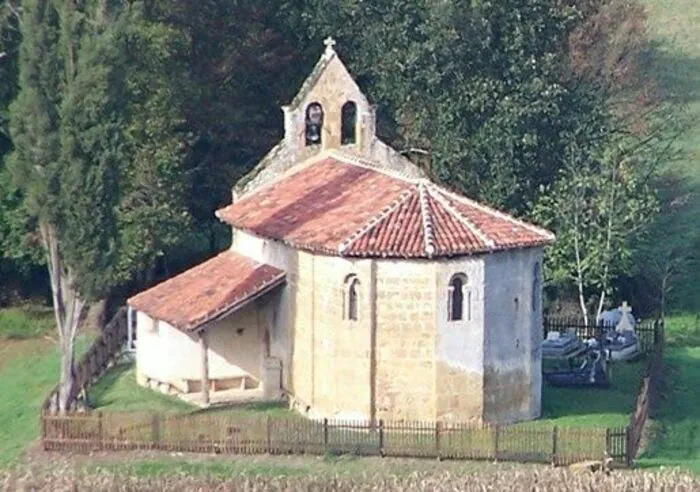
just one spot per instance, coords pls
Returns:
(600, 304)
(664, 287)
(67, 377)
(68, 308)
(579, 274)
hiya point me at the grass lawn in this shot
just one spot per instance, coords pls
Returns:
(28, 370)
(117, 391)
(594, 407)
(683, 330)
(677, 423)
(280, 466)
(676, 428)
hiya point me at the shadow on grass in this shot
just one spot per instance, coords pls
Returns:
(100, 392)
(678, 74)
(593, 407)
(676, 428)
(117, 391)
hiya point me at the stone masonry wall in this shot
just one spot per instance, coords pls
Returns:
(460, 344)
(405, 339)
(341, 346)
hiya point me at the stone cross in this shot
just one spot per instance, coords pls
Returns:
(624, 309)
(330, 43)
(624, 323)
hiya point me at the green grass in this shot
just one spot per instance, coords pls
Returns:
(117, 391)
(683, 330)
(25, 380)
(26, 322)
(217, 469)
(593, 407)
(278, 466)
(677, 423)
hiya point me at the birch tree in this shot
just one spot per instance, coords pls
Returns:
(599, 206)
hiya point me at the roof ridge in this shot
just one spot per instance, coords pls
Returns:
(428, 229)
(498, 213)
(358, 161)
(376, 219)
(462, 219)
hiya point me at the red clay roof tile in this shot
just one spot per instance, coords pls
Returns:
(351, 209)
(220, 285)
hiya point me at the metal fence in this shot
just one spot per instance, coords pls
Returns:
(647, 331)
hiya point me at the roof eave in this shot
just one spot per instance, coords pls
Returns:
(202, 324)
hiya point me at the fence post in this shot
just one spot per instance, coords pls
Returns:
(268, 434)
(629, 451)
(325, 435)
(438, 425)
(496, 443)
(155, 431)
(555, 445)
(42, 417)
(100, 431)
(381, 438)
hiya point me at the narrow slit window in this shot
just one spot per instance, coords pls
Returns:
(352, 285)
(348, 123)
(313, 124)
(455, 299)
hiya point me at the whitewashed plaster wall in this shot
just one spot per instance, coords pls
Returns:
(512, 361)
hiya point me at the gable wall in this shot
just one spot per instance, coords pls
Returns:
(333, 88)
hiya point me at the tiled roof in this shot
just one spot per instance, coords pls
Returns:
(346, 207)
(220, 285)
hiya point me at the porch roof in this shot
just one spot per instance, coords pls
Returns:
(210, 290)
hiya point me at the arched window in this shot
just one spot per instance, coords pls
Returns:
(348, 123)
(313, 123)
(457, 293)
(536, 287)
(352, 285)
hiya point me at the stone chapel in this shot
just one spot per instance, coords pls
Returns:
(354, 287)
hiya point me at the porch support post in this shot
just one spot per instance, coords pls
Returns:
(204, 345)
(129, 328)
